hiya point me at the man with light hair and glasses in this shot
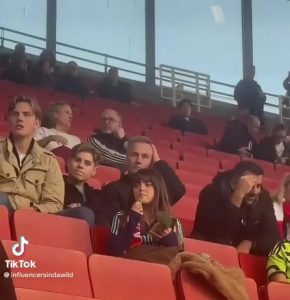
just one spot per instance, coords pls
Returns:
(110, 140)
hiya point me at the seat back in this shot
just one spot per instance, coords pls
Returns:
(278, 291)
(5, 233)
(226, 255)
(115, 278)
(25, 294)
(254, 267)
(54, 231)
(100, 239)
(57, 270)
(107, 174)
(195, 287)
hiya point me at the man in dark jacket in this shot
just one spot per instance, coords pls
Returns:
(248, 93)
(239, 136)
(71, 82)
(274, 148)
(236, 210)
(110, 141)
(82, 166)
(141, 154)
(6, 285)
(184, 121)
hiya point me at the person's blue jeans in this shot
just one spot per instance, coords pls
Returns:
(4, 201)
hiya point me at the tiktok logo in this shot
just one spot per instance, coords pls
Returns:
(18, 248)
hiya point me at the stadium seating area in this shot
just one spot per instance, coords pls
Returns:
(57, 241)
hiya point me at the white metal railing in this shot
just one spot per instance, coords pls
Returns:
(284, 108)
(175, 83)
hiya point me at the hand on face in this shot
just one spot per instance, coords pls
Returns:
(137, 207)
(245, 185)
(120, 132)
(155, 156)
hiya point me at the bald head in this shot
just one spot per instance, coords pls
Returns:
(110, 121)
(253, 124)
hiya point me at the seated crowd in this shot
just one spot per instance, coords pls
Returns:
(234, 209)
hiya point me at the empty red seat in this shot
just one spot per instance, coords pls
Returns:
(5, 233)
(197, 140)
(195, 287)
(278, 291)
(197, 167)
(222, 155)
(254, 267)
(115, 278)
(107, 174)
(185, 148)
(168, 154)
(95, 183)
(192, 158)
(194, 178)
(25, 294)
(272, 185)
(60, 270)
(52, 230)
(227, 164)
(226, 255)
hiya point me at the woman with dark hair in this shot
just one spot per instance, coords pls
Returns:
(148, 222)
(6, 285)
(56, 123)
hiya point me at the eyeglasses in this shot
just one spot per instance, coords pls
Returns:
(109, 119)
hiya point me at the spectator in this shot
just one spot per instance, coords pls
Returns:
(274, 148)
(140, 224)
(31, 178)
(110, 140)
(141, 154)
(249, 94)
(113, 88)
(17, 70)
(184, 121)
(54, 133)
(82, 166)
(239, 137)
(71, 82)
(44, 70)
(236, 210)
(286, 84)
(7, 290)
(5, 59)
(278, 265)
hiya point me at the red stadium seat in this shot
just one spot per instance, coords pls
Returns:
(115, 278)
(185, 210)
(278, 291)
(95, 183)
(52, 230)
(168, 154)
(70, 267)
(107, 174)
(191, 158)
(185, 148)
(222, 155)
(194, 287)
(100, 238)
(254, 267)
(227, 164)
(61, 163)
(197, 140)
(5, 233)
(25, 294)
(194, 178)
(197, 167)
(226, 255)
(271, 185)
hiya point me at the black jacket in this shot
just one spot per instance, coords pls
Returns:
(111, 148)
(266, 150)
(93, 200)
(218, 220)
(248, 93)
(118, 195)
(6, 285)
(286, 84)
(236, 136)
(187, 125)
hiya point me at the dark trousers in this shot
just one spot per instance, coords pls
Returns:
(82, 213)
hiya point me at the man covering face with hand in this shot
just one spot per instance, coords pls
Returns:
(236, 210)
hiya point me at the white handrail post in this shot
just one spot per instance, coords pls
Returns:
(173, 87)
(160, 80)
(197, 91)
(281, 108)
(106, 63)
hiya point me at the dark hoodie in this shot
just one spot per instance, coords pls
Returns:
(218, 220)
